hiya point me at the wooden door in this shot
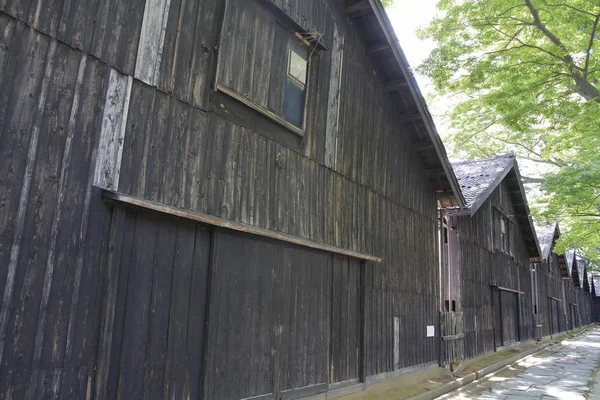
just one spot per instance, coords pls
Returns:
(346, 324)
(153, 330)
(242, 317)
(510, 317)
(554, 316)
(269, 319)
(573, 316)
(497, 304)
(303, 322)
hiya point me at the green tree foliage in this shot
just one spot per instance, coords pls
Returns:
(527, 74)
(387, 3)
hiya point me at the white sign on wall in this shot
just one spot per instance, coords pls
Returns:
(430, 331)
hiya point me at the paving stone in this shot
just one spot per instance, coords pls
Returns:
(568, 374)
(519, 384)
(574, 382)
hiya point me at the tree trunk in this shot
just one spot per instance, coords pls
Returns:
(586, 89)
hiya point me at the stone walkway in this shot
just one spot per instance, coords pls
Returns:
(567, 371)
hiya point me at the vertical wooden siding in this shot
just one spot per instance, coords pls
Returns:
(376, 200)
(346, 329)
(481, 266)
(56, 60)
(108, 30)
(53, 225)
(153, 340)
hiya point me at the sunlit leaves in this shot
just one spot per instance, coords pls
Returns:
(527, 72)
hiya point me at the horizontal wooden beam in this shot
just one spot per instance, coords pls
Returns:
(410, 117)
(360, 6)
(454, 337)
(444, 195)
(259, 109)
(505, 289)
(423, 145)
(378, 49)
(236, 226)
(435, 172)
(460, 213)
(394, 85)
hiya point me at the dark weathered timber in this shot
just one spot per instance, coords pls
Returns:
(41, 319)
(194, 216)
(153, 333)
(490, 287)
(112, 300)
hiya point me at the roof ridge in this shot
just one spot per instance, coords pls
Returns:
(507, 156)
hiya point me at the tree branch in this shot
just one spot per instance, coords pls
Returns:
(540, 159)
(540, 25)
(531, 180)
(568, 6)
(588, 52)
(585, 88)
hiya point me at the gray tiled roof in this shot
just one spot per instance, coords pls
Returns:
(545, 238)
(569, 256)
(581, 265)
(474, 177)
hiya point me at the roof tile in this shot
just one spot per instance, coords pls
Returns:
(474, 177)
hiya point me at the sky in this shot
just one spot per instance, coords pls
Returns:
(406, 16)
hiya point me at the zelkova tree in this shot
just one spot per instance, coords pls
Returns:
(527, 75)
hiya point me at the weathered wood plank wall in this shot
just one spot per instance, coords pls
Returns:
(109, 95)
(551, 297)
(153, 337)
(229, 170)
(52, 221)
(480, 267)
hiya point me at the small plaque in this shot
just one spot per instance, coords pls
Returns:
(430, 331)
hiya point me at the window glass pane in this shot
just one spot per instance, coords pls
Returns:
(297, 67)
(294, 92)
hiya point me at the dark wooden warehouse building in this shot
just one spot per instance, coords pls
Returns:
(220, 200)
(595, 298)
(565, 283)
(552, 274)
(487, 274)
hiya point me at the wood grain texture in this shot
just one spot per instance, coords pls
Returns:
(86, 305)
(49, 310)
(152, 39)
(333, 106)
(154, 333)
(112, 136)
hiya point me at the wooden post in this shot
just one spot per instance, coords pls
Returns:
(209, 289)
(109, 302)
(440, 340)
(396, 342)
(363, 322)
(501, 320)
(519, 316)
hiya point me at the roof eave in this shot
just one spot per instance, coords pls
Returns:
(526, 205)
(386, 27)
